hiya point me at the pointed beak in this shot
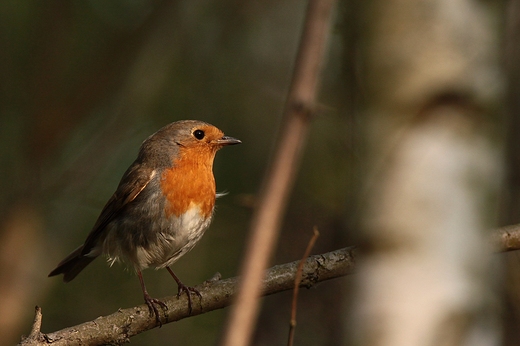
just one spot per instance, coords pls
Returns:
(226, 140)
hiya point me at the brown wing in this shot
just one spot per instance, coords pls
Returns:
(135, 179)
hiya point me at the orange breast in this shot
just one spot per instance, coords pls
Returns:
(190, 182)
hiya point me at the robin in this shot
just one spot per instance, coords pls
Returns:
(161, 208)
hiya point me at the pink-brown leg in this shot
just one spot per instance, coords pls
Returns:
(151, 301)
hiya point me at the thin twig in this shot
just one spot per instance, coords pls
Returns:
(297, 281)
(35, 337)
(37, 324)
(279, 179)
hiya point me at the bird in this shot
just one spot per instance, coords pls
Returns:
(161, 208)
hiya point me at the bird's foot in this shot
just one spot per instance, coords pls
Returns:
(188, 290)
(152, 302)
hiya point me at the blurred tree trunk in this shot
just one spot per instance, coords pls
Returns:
(434, 170)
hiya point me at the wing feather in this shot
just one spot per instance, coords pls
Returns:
(135, 180)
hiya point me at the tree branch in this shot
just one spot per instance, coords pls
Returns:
(506, 238)
(125, 323)
(217, 294)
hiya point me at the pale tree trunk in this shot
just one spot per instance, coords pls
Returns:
(434, 169)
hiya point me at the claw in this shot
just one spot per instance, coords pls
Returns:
(183, 288)
(152, 302)
(188, 290)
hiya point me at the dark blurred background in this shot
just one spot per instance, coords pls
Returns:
(83, 83)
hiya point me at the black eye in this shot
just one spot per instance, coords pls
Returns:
(199, 134)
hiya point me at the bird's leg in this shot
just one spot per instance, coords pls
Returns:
(183, 288)
(151, 301)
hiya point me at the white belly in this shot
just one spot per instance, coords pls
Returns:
(160, 244)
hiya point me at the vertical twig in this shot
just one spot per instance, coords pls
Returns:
(279, 178)
(35, 335)
(297, 280)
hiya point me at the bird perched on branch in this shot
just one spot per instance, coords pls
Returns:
(160, 209)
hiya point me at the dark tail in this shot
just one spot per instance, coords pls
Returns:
(72, 265)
